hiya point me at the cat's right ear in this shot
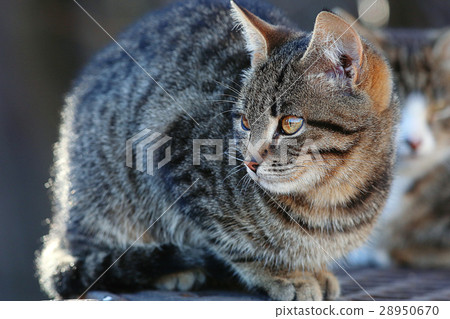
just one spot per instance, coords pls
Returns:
(261, 37)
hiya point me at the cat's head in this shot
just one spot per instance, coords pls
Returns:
(315, 108)
(425, 80)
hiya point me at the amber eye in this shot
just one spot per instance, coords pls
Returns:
(244, 123)
(291, 124)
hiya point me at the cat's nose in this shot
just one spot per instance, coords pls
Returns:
(414, 144)
(253, 165)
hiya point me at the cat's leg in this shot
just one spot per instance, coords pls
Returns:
(280, 285)
(329, 285)
(66, 270)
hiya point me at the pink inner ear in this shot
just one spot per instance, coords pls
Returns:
(336, 72)
(342, 70)
(340, 44)
(347, 64)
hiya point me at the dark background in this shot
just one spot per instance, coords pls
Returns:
(43, 44)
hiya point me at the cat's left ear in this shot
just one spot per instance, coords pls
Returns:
(335, 48)
(375, 36)
(337, 51)
(441, 50)
(261, 37)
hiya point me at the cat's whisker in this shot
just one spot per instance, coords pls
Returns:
(228, 87)
(220, 101)
(233, 157)
(221, 113)
(230, 95)
(237, 84)
(246, 183)
(195, 83)
(243, 181)
(234, 149)
(234, 170)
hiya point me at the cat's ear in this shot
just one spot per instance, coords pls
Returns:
(337, 51)
(441, 50)
(335, 48)
(375, 36)
(261, 37)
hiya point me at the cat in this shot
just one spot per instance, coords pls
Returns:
(313, 117)
(419, 226)
(414, 228)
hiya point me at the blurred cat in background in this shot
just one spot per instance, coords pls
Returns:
(414, 229)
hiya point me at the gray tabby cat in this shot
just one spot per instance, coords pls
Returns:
(414, 229)
(327, 92)
(419, 219)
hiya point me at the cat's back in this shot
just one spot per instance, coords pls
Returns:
(172, 60)
(194, 36)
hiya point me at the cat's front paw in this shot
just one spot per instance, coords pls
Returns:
(307, 288)
(329, 285)
(302, 286)
(181, 281)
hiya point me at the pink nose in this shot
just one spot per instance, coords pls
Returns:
(252, 165)
(414, 144)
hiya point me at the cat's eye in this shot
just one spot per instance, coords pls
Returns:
(291, 124)
(245, 124)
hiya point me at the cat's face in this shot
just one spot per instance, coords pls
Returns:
(425, 88)
(306, 106)
(288, 127)
(425, 127)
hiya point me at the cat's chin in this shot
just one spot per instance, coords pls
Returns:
(279, 188)
(275, 187)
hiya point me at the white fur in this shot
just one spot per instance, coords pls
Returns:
(415, 128)
(333, 50)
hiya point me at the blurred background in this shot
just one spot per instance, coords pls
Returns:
(43, 44)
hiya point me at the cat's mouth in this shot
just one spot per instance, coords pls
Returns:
(286, 183)
(412, 158)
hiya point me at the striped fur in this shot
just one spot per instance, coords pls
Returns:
(274, 230)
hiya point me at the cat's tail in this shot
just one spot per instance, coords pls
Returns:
(69, 270)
